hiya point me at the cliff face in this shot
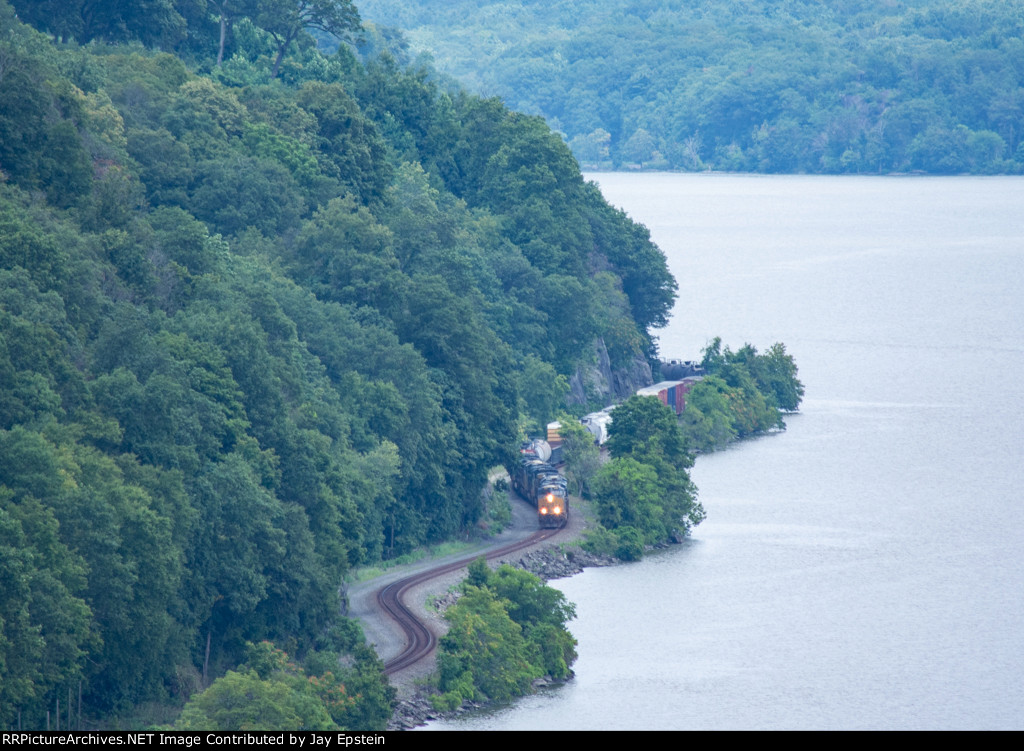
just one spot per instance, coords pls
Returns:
(598, 380)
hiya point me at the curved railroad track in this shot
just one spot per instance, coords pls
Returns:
(420, 640)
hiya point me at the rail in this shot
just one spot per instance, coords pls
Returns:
(420, 640)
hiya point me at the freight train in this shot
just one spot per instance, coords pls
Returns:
(539, 482)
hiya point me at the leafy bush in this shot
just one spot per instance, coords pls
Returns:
(506, 630)
(600, 541)
(630, 544)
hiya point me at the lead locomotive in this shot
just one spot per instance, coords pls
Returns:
(536, 480)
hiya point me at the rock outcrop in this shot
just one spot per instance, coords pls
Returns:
(598, 380)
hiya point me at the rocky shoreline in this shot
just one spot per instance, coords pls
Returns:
(553, 563)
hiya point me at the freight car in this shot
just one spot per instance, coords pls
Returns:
(597, 423)
(536, 480)
(672, 393)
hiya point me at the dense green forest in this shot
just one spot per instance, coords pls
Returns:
(268, 311)
(835, 86)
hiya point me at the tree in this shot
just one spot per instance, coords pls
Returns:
(639, 263)
(531, 601)
(641, 147)
(151, 21)
(646, 487)
(366, 683)
(285, 20)
(229, 10)
(628, 493)
(580, 452)
(775, 372)
(46, 630)
(233, 195)
(644, 428)
(344, 255)
(244, 701)
(507, 629)
(707, 420)
(543, 612)
(593, 149)
(542, 390)
(484, 652)
(757, 386)
(350, 148)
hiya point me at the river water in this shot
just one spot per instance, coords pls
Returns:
(865, 568)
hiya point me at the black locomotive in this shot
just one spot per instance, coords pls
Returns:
(539, 482)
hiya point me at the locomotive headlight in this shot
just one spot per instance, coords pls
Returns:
(543, 510)
(558, 509)
(551, 497)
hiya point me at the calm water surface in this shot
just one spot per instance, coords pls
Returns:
(864, 569)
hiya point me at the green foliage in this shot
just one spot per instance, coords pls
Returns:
(627, 494)
(41, 120)
(270, 692)
(763, 85)
(600, 541)
(484, 651)
(371, 697)
(285, 20)
(646, 429)
(543, 390)
(45, 625)
(745, 393)
(151, 21)
(244, 701)
(506, 630)
(581, 454)
(775, 373)
(499, 507)
(644, 496)
(629, 543)
(707, 420)
(255, 332)
(350, 149)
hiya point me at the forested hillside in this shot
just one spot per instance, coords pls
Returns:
(262, 321)
(844, 86)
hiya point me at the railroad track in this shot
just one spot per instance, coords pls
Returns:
(420, 640)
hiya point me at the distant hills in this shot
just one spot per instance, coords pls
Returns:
(849, 86)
